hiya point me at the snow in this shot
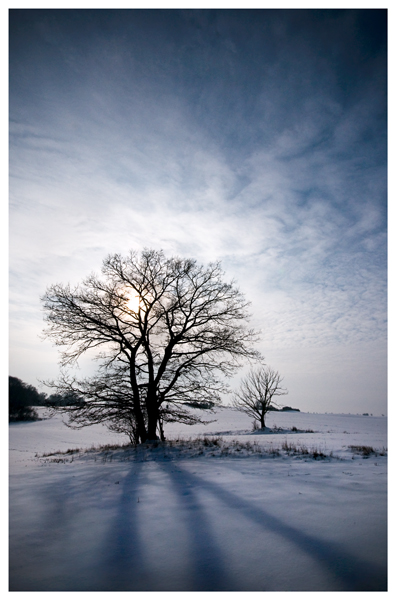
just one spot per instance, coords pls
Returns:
(232, 518)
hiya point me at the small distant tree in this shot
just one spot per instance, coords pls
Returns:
(257, 391)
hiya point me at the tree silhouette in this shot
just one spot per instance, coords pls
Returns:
(166, 333)
(255, 396)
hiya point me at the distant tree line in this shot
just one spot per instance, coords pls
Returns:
(284, 409)
(23, 398)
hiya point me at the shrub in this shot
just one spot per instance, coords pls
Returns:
(23, 413)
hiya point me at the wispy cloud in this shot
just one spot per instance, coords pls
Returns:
(260, 142)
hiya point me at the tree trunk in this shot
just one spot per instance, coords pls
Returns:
(161, 429)
(152, 428)
(141, 433)
(262, 420)
(141, 427)
(152, 415)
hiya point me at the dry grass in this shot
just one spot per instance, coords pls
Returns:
(179, 448)
(366, 451)
(302, 450)
(210, 446)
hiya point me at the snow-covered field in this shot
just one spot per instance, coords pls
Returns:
(242, 514)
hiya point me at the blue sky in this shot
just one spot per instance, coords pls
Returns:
(257, 137)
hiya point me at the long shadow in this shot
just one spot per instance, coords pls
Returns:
(44, 556)
(208, 569)
(354, 573)
(123, 565)
(39, 550)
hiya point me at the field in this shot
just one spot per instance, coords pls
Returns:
(300, 507)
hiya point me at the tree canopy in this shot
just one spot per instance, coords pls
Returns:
(166, 332)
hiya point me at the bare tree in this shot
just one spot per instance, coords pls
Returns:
(166, 332)
(257, 391)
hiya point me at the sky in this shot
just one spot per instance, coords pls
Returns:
(254, 137)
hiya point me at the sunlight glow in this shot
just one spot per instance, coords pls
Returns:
(133, 303)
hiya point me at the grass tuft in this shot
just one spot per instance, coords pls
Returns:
(367, 451)
(302, 450)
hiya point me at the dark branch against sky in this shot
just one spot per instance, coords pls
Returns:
(257, 137)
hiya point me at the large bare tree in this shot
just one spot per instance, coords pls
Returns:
(166, 332)
(255, 396)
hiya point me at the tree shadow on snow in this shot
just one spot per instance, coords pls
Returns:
(354, 574)
(208, 570)
(100, 544)
(82, 539)
(123, 565)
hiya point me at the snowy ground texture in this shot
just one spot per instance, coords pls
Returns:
(236, 511)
